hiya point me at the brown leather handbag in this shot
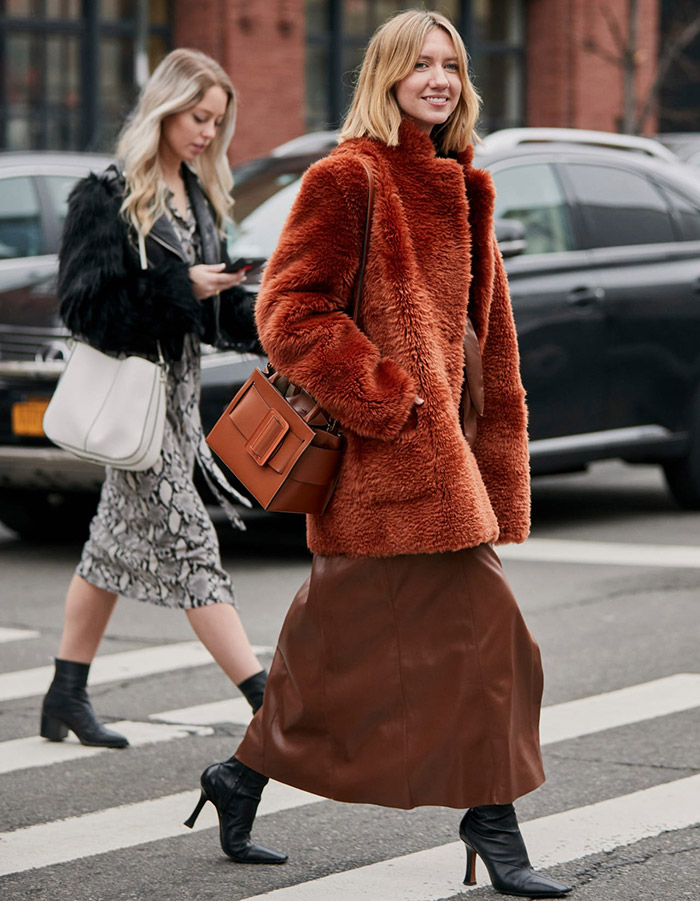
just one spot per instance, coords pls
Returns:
(274, 437)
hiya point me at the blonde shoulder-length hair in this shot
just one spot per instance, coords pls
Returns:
(390, 57)
(178, 84)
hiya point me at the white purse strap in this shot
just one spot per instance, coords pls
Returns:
(142, 251)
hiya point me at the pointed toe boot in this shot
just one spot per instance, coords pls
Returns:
(492, 832)
(235, 790)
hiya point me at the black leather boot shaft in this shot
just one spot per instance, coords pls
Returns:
(253, 689)
(235, 790)
(492, 832)
(67, 706)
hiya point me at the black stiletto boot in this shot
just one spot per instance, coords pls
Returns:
(492, 832)
(253, 689)
(235, 790)
(67, 706)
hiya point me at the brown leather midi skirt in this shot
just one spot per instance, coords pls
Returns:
(403, 681)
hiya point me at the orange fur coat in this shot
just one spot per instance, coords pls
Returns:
(409, 484)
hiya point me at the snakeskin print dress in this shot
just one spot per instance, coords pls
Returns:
(152, 538)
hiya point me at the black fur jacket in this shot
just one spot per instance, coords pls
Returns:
(107, 299)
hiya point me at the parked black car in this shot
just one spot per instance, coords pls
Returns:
(602, 250)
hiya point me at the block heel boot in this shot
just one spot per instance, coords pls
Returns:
(235, 790)
(67, 706)
(492, 832)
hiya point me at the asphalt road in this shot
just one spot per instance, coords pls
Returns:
(609, 584)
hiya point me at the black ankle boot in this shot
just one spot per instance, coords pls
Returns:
(235, 790)
(492, 832)
(253, 689)
(67, 706)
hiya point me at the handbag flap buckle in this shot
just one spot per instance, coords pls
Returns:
(267, 437)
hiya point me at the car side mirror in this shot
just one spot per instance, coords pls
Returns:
(510, 234)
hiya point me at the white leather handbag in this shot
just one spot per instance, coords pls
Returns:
(109, 410)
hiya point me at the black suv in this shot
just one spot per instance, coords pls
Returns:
(602, 249)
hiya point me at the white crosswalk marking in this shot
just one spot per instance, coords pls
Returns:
(16, 634)
(232, 710)
(434, 874)
(114, 667)
(23, 753)
(620, 708)
(559, 722)
(121, 827)
(608, 553)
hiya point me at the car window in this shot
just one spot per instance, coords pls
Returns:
(59, 187)
(258, 233)
(20, 223)
(532, 195)
(687, 216)
(620, 207)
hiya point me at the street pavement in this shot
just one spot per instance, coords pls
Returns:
(609, 584)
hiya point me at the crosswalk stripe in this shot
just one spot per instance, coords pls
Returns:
(7, 634)
(559, 722)
(607, 553)
(622, 707)
(563, 550)
(232, 710)
(125, 826)
(24, 753)
(562, 837)
(114, 667)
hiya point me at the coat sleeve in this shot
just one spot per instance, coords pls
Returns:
(501, 446)
(304, 309)
(104, 295)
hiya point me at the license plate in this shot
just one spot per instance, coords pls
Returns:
(27, 417)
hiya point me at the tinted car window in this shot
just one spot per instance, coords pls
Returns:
(59, 187)
(20, 223)
(619, 207)
(687, 216)
(532, 195)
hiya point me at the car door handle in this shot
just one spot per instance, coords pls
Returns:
(585, 296)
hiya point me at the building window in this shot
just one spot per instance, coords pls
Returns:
(67, 70)
(337, 32)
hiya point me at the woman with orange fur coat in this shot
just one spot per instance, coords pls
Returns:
(404, 673)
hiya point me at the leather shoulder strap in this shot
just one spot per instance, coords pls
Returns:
(365, 245)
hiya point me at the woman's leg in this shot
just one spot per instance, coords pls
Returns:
(219, 628)
(66, 704)
(88, 609)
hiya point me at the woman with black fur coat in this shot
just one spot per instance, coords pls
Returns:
(142, 271)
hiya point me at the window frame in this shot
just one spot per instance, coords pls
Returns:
(513, 162)
(588, 240)
(89, 29)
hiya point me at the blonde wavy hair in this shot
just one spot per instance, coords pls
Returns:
(391, 55)
(177, 84)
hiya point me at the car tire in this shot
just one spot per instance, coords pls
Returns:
(47, 516)
(683, 475)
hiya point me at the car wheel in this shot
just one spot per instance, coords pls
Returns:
(683, 475)
(47, 516)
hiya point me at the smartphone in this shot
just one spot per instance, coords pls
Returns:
(249, 264)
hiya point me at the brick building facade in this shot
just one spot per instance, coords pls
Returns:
(570, 77)
(262, 45)
(574, 70)
(67, 83)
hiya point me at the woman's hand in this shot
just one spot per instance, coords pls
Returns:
(210, 279)
(412, 421)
